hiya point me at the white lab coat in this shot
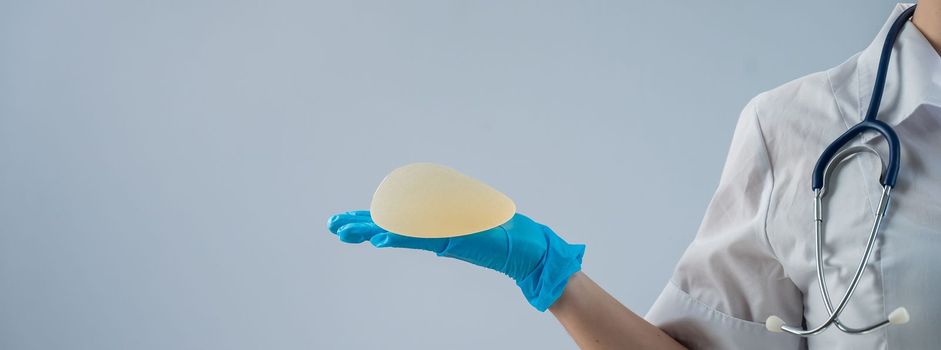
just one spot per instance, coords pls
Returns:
(754, 256)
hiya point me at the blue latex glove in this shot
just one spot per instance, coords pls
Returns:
(530, 253)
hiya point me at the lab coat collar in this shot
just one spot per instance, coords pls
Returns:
(913, 78)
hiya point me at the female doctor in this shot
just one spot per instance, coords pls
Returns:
(754, 255)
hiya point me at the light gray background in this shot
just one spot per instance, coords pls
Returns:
(167, 167)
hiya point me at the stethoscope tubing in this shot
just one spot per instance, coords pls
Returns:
(871, 121)
(829, 159)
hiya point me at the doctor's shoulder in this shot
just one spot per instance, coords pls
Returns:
(809, 110)
(796, 120)
(809, 99)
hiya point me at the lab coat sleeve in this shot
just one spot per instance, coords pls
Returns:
(728, 280)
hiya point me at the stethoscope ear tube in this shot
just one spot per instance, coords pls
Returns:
(871, 122)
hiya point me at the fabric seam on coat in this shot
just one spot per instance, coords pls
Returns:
(713, 309)
(846, 126)
(767, 206)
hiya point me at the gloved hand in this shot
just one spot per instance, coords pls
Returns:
(530, 253)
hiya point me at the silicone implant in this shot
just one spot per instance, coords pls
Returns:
(428, 200)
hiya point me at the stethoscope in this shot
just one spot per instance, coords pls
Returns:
(833, 155)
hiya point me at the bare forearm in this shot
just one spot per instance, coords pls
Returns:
(598, 321)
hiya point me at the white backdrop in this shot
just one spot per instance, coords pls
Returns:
(167, 168)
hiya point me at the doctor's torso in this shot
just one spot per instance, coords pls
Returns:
(753, 256)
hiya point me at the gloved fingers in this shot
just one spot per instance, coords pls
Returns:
(358, 232)
(389, 239)
(337, 221)
(359, 213)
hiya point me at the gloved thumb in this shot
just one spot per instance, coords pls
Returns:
(358, 232)
(357, 227)
(389, 239)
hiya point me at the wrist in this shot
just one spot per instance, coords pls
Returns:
(570, 294)
(546, 283)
